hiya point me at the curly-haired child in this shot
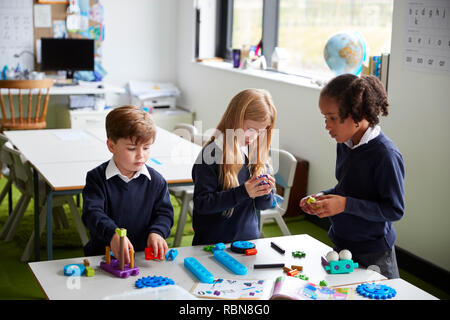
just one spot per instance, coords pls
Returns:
(369, 195)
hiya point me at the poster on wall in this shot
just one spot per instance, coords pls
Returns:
(16, 34)
(427, 36)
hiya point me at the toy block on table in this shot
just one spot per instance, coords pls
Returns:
(108, 254)
(153, 282)
(299, 268)
(114, 269)
(251, 252)
(122, 233)
(268, 265)
(298, 254)
(131, 251)
(90, 272)
(376, 291)
(74, 269)
(149, 254)
(241, 246)
(208, 248)
(118, 267)
(293, 272)
(277, 247)
(171, 254)
(229, 262)
(340, 266)
(219, 247)
(198, 270)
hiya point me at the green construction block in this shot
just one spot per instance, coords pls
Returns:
(298, 254)
(90, 272)
(208, 248)
(121, 232)
(323, 283)
(302, 276)
(311, 200)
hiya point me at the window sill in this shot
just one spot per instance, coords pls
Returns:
(267, 74)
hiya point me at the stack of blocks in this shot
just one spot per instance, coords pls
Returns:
(118, 267)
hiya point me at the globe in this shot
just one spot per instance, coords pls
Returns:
(345, 52)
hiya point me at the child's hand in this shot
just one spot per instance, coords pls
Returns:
(115, 247)
(254, 190)
(309, 203)
(158, 244)
(329, 205)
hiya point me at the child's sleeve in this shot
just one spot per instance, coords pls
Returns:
(162, 215)
(265, 202)
(389, 177)
(207, 198)
(94, 216)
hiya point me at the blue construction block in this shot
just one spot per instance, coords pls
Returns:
(230, 262)
(241, 246)
(198, 270)
(74, 269)
(171, 254)
(153, 282)
(376, 291)
(219, 247)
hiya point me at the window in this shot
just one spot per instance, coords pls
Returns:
(247, 22)
(302, 28)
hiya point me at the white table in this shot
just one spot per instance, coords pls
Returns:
(64, 156)
(79, 89)
(55, 285)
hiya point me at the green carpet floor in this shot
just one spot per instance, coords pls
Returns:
(17, 281)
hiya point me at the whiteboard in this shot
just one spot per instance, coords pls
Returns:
(16, 33)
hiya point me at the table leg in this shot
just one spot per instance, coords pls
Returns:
(36, 216)
(49, 226)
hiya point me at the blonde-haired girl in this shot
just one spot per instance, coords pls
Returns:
(231, 175)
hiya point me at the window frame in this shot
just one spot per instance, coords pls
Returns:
(271, 9)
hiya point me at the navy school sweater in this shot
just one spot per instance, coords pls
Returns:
(211, 201)
(371, 177)
(141, 206)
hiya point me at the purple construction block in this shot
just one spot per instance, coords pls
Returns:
(324, 262)
(114, 268)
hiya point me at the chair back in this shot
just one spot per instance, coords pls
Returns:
(5, 158)
(31, 116)
(186, 131)
(284, 177)
(23, 174)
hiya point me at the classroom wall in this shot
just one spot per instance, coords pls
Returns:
(140, 40)
(417, 124)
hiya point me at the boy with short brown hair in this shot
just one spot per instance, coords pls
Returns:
(126, 193)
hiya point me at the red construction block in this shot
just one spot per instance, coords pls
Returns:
(292, 272)
(251, 252)
(149, 254)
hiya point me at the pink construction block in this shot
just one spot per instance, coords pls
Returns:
(114, 268)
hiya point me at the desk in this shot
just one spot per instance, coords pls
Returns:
(50, 275)
(64, 156)
(79, 89)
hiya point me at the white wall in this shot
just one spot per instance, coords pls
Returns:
(140, 40)
(417, 124)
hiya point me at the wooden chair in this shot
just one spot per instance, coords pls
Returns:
(31, 117)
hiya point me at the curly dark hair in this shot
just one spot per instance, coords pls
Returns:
(358, 97)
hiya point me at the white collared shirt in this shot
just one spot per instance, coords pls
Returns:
(112, 170)
(371, 133)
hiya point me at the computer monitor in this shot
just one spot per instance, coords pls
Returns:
(67, 54)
